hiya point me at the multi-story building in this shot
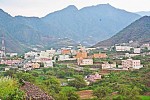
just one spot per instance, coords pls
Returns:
(65, 58)
(107, 65)
(137, 50)
(85, 61)
(100, 55)
(123, 48)
(81, 54)
(130, 63)
(35, 65)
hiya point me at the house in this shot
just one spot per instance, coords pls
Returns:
(81, 54)
(106, 65)
(35, 65)
(30, 54)
(65, 51)
(130, 55)
(100, 55)
(85, 61)
(93, 78)
(48, 63)
(12, 54)
(65, 58)
(137, 50)
(130, 63)
(123, 48)
(10, 62)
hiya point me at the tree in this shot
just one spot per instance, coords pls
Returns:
(129, 93)
(68, 93)
(9, 89)
(25, 76)
(102, 92)
(78, 82)
(53, 85)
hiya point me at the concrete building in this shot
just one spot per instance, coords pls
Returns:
(106, 65)
(12, 54)
(35, 65)
(30, 54)
(85, 61)
(93, 78)
(100, 55)
(130, 55)
(130, 63)
(81, 54)
(65, 58)
(137, 50)
(48, 63)
(123, 48)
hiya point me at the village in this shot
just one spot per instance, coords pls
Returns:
(116, 58)
(70, 64)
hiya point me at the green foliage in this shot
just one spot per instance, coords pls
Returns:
(102, 92)
(9, 89)
(25, 76)
(53, 85)
(68, 93)
(78, 82)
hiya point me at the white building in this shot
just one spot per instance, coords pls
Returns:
(107, 65)
(131, 55)
(123, 48)
(48, 63)
(12, 54)
(30, 54)
(129, 63)
(65, 58)
(137, 50)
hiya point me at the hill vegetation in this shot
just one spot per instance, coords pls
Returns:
(138, 31)
(87, 26)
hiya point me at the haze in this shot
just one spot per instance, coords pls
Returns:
(41, 8)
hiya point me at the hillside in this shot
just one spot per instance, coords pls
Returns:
(137, 31)
(87, 26)
(96, 22)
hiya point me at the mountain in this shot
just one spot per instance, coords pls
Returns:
(101, 22)
(144, 13)
(138, 31)
(68, 26)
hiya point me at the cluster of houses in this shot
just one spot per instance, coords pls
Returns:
(81, 56)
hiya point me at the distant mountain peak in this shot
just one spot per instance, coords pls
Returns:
(71, 7)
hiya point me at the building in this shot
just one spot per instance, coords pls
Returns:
(85, 61)
(81, 54)
(106, 65)
(30, 54)
(65, 51)
(93, 78)
(65, 58)
(129, 63)
(10, 62)
(131, 55)
(137, 50)
(11, 54)
(100, 55)
(35, 65)
(123, 48)
(48, 63)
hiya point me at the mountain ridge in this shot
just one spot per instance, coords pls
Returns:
(136, 31)
(87, 25)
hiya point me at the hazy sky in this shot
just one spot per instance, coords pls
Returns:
(42, 7)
